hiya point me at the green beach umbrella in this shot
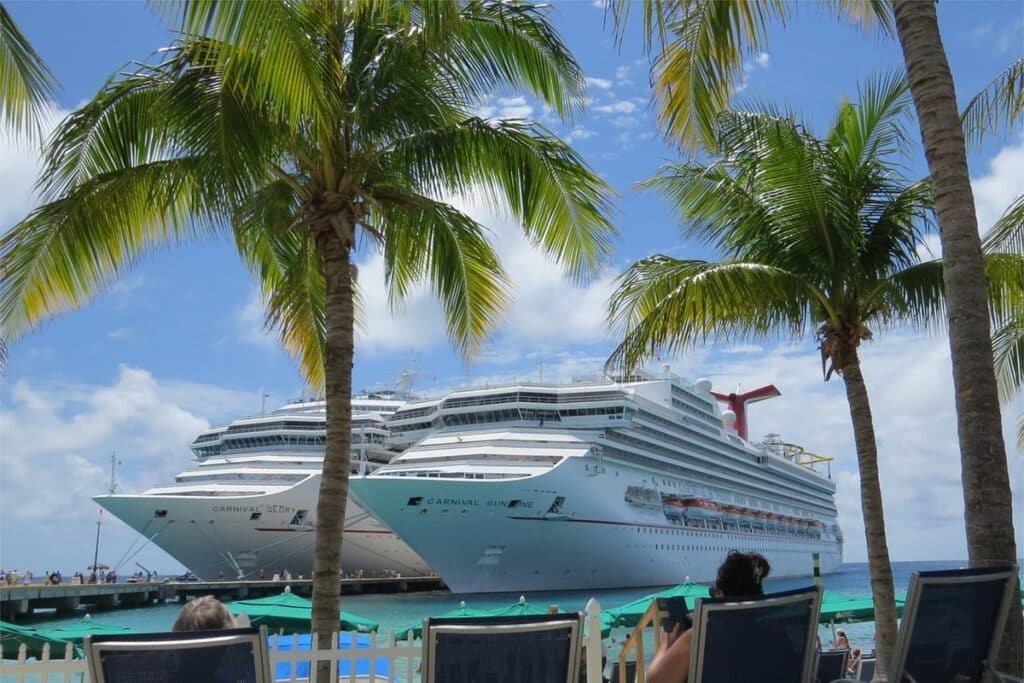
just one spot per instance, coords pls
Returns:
(13, 636)
(77, 633)
(628, 615)
(289, 611)
(462, 612)
(840, 609)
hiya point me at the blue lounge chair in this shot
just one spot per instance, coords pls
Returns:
(952, 624)
(756, 639)
(866, 669)
(514, 649)
(224, 656)
(831, 665)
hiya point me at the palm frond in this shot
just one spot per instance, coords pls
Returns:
(912, 296)
(279, 254)
(868, 15)
(562, 203)
(998, 107)
(1008, 232)
(699, 68)
(874, 127)
(661, 303)
(513, 45)
(426, 238)
(68, 250)
(26, 83)
(266, 53)
(1008, 348)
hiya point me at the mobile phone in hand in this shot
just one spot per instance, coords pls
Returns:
(673, 611)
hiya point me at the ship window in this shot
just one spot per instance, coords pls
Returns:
(160, 513)
(255, 516)
(414, 501)
(514, 503)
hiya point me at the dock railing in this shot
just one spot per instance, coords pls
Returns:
(403, 658)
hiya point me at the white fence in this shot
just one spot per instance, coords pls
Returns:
(403, 659)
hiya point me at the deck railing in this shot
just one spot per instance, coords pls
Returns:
(403, 658)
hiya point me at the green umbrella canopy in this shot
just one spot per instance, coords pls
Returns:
(76, 633)
(628, 615)
(289, 611)
(846, 609)
(13, 636)
(461, 612)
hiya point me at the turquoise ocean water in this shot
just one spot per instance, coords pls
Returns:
(394, 611)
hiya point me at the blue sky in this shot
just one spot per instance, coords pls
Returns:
(178, 344)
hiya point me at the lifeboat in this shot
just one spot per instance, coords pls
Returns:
(699, 508)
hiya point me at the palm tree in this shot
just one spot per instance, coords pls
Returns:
(26, 84)
(700, 48)
(309, 130)
(986, 480)
(817, 236)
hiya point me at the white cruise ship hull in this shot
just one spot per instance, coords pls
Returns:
(498, 535)
(233, 535)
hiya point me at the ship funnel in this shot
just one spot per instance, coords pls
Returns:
(738, 404)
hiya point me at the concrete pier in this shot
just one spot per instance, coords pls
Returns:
(20, 601)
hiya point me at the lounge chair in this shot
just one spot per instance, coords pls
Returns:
(831, 665)
(756, 639)
(235, 655)
(516, 649)
(624, 673)
(952, 624)
(866, 669)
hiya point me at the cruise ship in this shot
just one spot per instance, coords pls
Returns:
(249, 504)
(597, 484)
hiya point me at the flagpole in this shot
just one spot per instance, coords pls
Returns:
(95, 576)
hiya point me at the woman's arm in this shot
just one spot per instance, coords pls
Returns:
(671, 664)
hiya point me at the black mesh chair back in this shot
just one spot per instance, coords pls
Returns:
(223, 656)
(832, 665)
(520, 649)
(754, 639)
(624, 673)
(952, 623)
(865, 670)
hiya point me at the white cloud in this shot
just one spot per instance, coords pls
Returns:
(627, 139)
(763, 59)
(622, 74)
(600, 4)
(121, 333)
(249, 324)
(625, 121)
(979, 32)
(600, 83)
(620, 107)
(57, 438)
(579, 133)
(1002, 182)
(20, 163)
(514, 108)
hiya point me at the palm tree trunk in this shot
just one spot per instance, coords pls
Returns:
(330, 507)
(988, 508)
(882, 591)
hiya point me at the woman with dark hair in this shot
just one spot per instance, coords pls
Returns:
(740, 575)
